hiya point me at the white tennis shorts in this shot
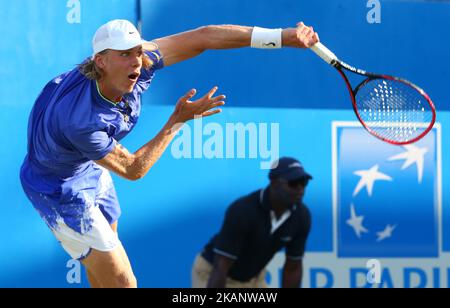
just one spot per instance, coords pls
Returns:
(100, 237)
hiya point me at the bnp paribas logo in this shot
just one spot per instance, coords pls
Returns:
(388, 226)
(386, 200)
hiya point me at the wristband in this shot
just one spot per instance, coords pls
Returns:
(266, 38)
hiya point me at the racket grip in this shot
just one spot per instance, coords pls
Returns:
(323, 52)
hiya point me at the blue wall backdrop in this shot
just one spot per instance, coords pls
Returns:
(290, 94)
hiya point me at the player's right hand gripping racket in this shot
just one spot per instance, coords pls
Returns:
(390, 108)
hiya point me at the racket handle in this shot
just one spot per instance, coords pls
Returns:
(323, 52)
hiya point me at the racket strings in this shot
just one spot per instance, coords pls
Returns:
(393, 110)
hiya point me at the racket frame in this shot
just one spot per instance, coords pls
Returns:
(329, 57)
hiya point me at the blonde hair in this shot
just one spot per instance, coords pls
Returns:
(91, 71)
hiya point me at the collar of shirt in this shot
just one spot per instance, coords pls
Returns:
(123, 106)
(103, 97)
(275, 223)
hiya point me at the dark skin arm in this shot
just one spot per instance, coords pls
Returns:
(220, 271)
(292, 274)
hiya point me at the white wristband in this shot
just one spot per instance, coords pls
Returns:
(266, 38)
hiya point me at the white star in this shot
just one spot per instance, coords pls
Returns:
(356, 223)
(368, 178)
(412, 155)
(387, 233)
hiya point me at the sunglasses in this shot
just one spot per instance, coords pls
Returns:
(298, 182)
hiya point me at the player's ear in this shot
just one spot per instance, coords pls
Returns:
(100, 60)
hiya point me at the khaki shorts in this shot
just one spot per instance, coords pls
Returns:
(201, 271)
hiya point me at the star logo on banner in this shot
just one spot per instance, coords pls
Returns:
(356, 222)
(413, 155)
(368, 178)
(387, 233)
(371, 181)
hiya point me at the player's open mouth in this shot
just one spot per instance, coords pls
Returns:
(133, 77)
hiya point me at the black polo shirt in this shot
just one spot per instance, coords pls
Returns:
(246, 236)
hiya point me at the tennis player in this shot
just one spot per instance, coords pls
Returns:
(81, 116)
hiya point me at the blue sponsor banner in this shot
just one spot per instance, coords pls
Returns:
(387, 201)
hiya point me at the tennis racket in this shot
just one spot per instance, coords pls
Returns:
(390, 108)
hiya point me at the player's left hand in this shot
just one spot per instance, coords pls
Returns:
(300, 37)
(186, 109)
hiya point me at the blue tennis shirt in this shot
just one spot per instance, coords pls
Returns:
(72, 125)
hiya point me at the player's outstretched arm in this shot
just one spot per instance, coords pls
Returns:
(186, 45)
(135, 166)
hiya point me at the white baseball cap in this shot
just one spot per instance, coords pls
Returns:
(117, 34)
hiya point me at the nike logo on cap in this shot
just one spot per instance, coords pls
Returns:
(270, 44)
